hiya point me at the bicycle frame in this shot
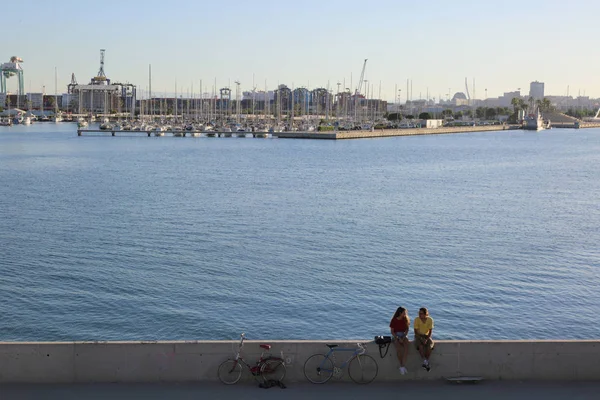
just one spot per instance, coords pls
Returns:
(254, 369)
(331, 355)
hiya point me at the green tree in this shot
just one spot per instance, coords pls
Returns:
(394, 117)
(447, 112)
(490, 113)
(546, 105)
(424, 115)
(516, 103)
(480, 112)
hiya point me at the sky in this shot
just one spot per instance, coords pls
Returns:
(502, 45)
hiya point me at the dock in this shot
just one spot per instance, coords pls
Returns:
(176, 133)
(328, 135)
(332, 135)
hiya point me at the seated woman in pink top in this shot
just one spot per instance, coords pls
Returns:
(399, 327)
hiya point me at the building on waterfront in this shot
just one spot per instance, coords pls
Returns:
(100, 95)
(506, 99)
(35, 101)
(460, 99)
(536, 90)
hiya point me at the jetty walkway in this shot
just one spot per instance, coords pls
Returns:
(329, 135)
(332, 135)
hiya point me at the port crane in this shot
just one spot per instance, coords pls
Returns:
(359, 88)
(362, 77)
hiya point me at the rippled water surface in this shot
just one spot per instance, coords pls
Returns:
(130, 238)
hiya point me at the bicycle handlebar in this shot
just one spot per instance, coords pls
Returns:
(362, 347)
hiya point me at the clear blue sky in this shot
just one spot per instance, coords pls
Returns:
(503, 45)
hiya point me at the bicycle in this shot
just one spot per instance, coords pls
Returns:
(267, 368)
(362, 368)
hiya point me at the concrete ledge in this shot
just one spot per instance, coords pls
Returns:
(192, 361)
(338, 135)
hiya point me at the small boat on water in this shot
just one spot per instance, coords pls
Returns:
(159, 131)
(105, 125)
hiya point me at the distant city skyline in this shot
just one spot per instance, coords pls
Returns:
(502, 47)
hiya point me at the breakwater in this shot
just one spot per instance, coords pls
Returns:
(378, 133)
(190, 361)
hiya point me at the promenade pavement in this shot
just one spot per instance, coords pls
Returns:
(406, 390)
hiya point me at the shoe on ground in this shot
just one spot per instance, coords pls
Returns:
(428, 368)
(404, 371)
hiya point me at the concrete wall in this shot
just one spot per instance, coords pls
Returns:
(70, 362)
(337, 135)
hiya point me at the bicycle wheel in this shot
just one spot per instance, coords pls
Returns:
(273, 369)
(363, 369)
(230, 372)
(318, 368)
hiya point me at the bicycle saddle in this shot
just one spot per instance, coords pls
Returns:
(331, 346)
(265, 346)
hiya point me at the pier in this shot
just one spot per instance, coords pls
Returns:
(328, 135)
(176, 133)
(336, 135)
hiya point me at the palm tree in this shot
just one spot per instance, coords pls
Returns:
(516, 103)
(546, 104)
(539, 105)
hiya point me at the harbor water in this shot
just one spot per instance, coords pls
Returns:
(138, 238)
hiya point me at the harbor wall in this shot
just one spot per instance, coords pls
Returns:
(88, 362)
(377, 133)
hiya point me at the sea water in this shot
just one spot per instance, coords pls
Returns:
(135, 237)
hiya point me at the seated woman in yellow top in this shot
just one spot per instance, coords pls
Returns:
(423, 329)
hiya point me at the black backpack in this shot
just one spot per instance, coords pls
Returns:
(383, 342)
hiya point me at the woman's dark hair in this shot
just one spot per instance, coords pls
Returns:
(424, 311)
(399, 311)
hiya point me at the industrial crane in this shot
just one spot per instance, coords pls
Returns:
(358, 89)
(362, 77)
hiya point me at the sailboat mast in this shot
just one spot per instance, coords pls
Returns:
(150, 91)
(55, 92)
